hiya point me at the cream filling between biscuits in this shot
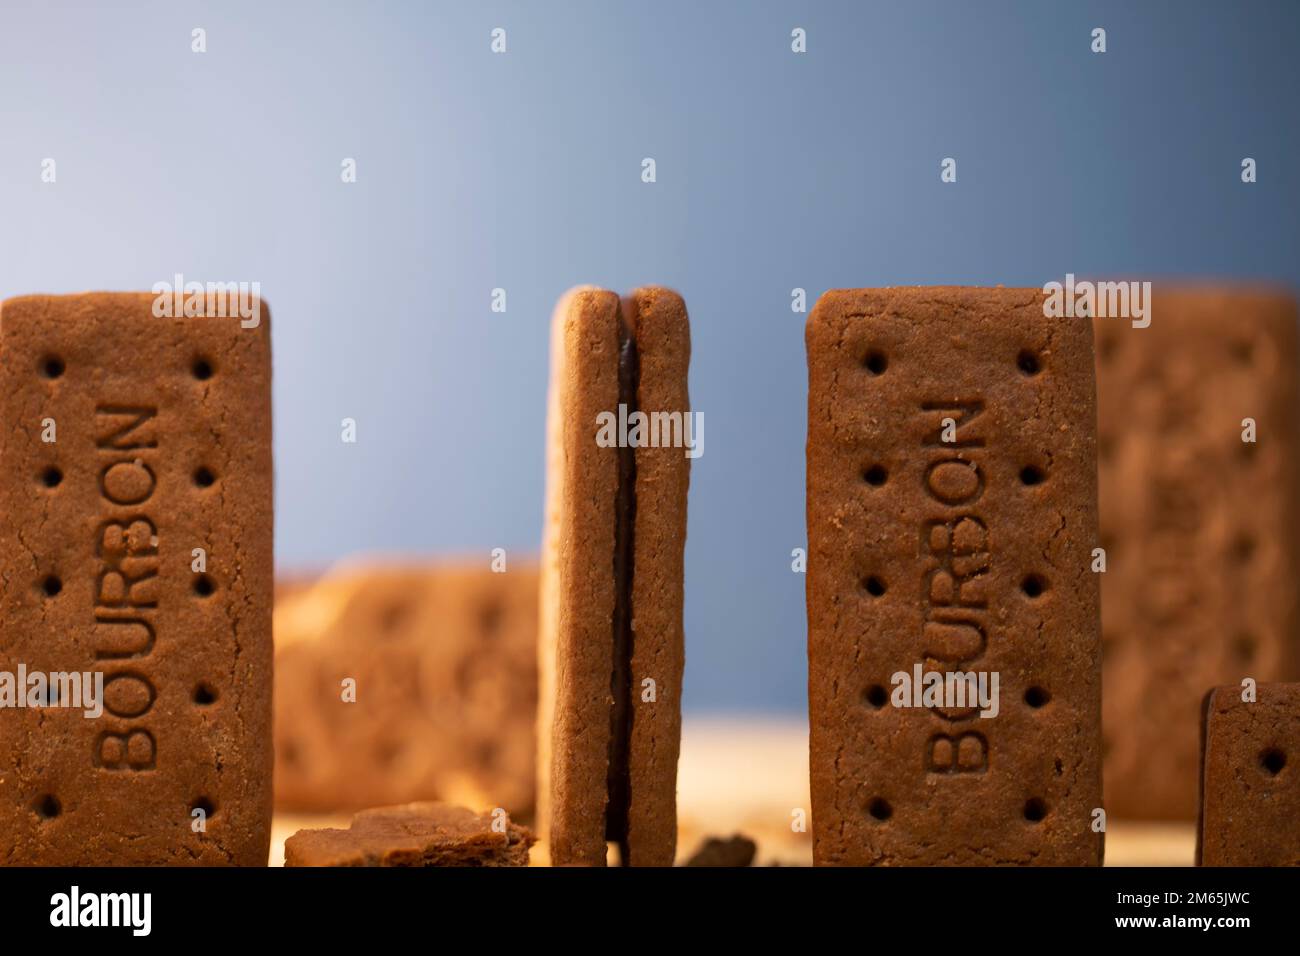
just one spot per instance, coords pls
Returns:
(618, 781)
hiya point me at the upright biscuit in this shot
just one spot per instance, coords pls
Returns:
(951, 516)
(612, 644)
(660, 328)
(136, 543)
(1200, 528)
(1250, 787)
(578, 586)
(442, 663)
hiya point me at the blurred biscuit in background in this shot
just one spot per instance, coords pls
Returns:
(290, 584)
(405, 681)
(1200, 526)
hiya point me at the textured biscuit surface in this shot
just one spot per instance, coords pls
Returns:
(415, 834)
(1250, 809)
(1200, 528)
(662, 332)
(968, 555)
(578, 583)
(163, 446)
(444, 659)
(596, 753)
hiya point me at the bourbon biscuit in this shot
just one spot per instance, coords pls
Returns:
(951, 519)
(408, 681)
(1199, 527)
(1250, 791)
(612, 640)
(136, 546)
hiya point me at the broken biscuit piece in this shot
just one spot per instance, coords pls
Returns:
(735, 850)
(414, 834)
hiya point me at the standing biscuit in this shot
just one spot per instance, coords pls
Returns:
(1201, 527)
(657, 318)
(578, 588)
(611, 619)
(135, 547)
(951, 518)
(1250, 788)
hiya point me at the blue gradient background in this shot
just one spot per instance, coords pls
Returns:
(523, 171)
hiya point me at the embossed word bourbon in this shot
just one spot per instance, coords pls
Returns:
(126, 593)
(955, 566)
(952, 509)
(136, 545)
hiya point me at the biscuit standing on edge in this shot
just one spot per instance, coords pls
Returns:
(162, 431)
(611, 605)
(444, 659)
(1250, 778)
(1201, 529)
(968, 555)
(415, 834)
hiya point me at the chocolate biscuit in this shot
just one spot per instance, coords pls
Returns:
(612, 641)
(1250, 787)
(136, 544)
(416, 834)
(951, 515)
(442, 660)
(1200, 528)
